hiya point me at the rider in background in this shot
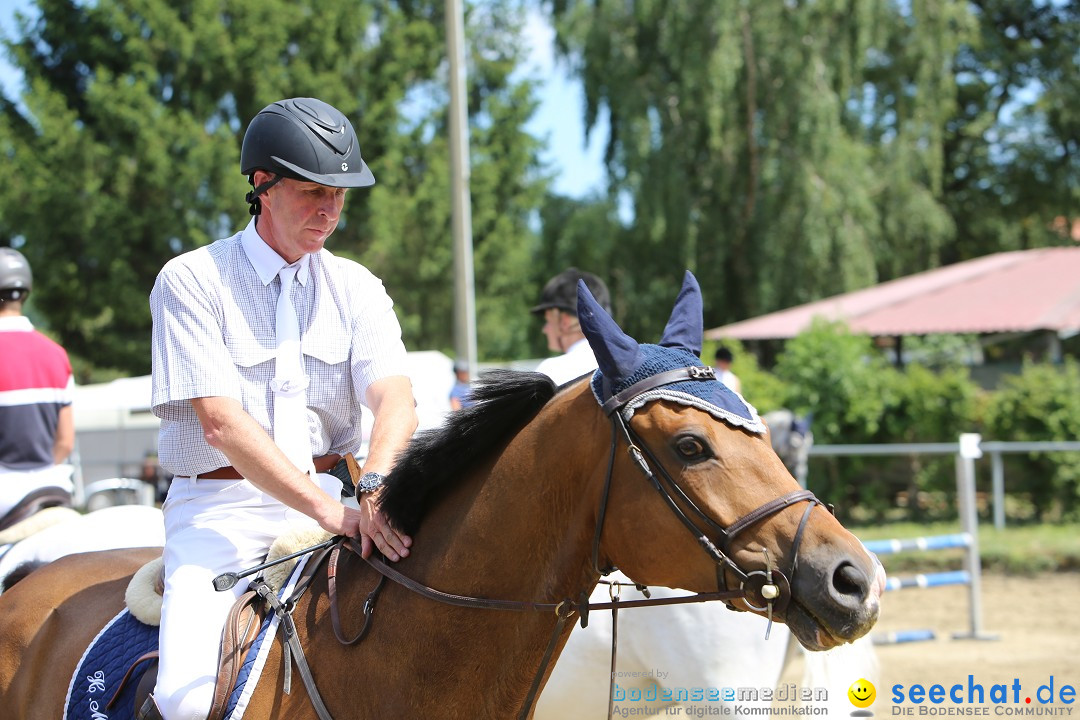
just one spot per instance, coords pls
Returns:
(723, 359)
(459, 393)
(265, 348)
(558, 307)
(37, 426)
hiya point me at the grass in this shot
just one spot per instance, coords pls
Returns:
(1017, 549)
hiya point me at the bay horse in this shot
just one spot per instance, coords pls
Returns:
(516, 506)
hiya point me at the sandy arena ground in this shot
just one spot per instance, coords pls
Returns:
(1037, 623)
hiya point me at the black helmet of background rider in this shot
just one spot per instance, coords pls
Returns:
(303, 139)
(561, 292)
(15, 276)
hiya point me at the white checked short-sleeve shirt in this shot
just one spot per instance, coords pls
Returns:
(213, 311)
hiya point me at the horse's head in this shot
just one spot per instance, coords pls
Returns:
(728, 514)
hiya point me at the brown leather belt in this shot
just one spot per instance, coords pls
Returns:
(324, 463)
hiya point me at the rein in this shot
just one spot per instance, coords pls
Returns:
(563, 610)
(564, 607)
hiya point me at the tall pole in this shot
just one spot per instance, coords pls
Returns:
(461, 220)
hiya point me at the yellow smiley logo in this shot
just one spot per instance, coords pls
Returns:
(862, 693)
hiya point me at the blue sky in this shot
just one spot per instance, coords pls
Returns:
(558, 120)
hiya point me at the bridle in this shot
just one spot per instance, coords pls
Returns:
(770, 587)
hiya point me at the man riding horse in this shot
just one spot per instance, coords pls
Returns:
(259, 381)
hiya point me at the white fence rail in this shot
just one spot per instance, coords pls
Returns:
(995, 448)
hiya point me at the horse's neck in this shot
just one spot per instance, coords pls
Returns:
(519, 527)
(522, 526)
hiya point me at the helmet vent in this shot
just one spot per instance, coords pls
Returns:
(327, 127)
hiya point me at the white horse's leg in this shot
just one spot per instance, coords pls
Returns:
(835, 670)
(672, 649)
(579, 685)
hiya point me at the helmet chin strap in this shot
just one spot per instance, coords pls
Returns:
(252, 197)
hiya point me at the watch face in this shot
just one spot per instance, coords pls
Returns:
(370, 481)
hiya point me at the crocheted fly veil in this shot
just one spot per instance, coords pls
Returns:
(624, 362)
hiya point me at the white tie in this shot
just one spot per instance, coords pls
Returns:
(290, 382)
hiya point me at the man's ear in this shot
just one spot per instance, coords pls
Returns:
(262, 176)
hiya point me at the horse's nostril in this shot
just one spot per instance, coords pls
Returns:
(849, 581)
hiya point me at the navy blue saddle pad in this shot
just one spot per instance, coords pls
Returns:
(120, 643)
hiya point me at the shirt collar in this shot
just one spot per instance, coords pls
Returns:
(16, 323)
(579, 345)
(265, 261)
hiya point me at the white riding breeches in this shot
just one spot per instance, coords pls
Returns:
(211, 527)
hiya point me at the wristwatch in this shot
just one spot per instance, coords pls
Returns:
(370, 482)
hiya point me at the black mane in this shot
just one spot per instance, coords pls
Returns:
(435, 459)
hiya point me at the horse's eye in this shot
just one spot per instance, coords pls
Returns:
(691, 448)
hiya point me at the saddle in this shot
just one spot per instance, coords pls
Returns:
(238, 637)
(36, 501)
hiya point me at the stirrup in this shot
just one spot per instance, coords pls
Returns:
(149, 710)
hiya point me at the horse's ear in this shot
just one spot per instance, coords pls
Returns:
(617, 354)
(686, 326)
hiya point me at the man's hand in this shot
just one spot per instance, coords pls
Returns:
(369, 524)
(375, 528)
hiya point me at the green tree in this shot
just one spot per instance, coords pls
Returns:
(926, 405)
(1042, 403)
(845, 382)
(411, 246)
(782, 151)
(124, 148)
(840, 377)
(1012, 147)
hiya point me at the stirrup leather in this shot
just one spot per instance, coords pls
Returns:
(149, 710)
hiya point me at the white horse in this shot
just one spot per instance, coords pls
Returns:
(665, 653)
(58, 531)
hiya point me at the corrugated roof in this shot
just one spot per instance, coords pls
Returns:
(1016, 291)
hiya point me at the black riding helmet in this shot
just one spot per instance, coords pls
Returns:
(304, 139)
(561, 292)
(15, 276)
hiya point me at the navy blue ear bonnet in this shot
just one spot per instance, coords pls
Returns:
(623, 362)
(711, 396)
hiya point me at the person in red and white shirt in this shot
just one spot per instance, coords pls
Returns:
(37, 426)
